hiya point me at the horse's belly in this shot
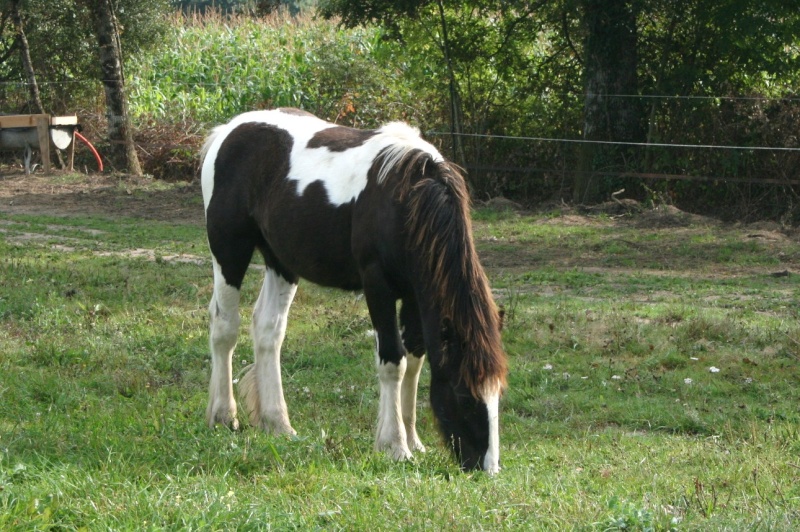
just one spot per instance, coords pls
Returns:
(313, 241)
(328, 269)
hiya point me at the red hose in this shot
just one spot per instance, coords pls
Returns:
(94, 151)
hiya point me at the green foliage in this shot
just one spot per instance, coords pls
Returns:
(519, 68)
(212, 68)
(499, 65)
(504, 70)
(385, 12)
(63, 50)
(707, 47)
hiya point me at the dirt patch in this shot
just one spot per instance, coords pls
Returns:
(577, 220)
(62, 194)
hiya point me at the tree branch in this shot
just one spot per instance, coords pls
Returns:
(565, 28)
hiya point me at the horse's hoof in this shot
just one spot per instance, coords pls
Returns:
(398, 453)
(401, 455)
(416, 446)
(224, 417)
(492, 470)
(276, 429)
(232, 424)
(288, 431)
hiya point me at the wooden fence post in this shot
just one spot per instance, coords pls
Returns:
(43, 128)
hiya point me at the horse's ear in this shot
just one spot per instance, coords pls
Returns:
(501, 313)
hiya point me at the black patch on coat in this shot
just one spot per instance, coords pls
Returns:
(340, 138)
(255, 206)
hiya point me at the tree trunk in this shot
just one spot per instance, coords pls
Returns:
(35, 101)
(610, 62)
(27, 64)
(120, 134)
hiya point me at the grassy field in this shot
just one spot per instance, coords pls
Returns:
(655, 385)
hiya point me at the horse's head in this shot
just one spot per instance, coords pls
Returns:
(467, 410)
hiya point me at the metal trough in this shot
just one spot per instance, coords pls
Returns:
(38, 131)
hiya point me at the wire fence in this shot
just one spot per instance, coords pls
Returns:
(527, 170)
(560, 146)
(617, 143)
(149, 147)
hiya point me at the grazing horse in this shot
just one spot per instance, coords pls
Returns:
(373, 210)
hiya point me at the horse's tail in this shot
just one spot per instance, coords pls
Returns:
(440, 233)
(209, 141)
(207, 174)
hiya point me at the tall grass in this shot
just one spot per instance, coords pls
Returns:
(212, 67)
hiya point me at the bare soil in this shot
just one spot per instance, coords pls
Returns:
(61, 194)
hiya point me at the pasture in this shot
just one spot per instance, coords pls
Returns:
(654, 378)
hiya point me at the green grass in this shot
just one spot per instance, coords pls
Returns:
(612, 420)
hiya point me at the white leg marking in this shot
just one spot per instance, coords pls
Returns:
(408, 398)
(491, 462)
(223, 332)
(391, 434)
(262, 387)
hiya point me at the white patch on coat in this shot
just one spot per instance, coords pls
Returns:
(408, 399)
(491, 461)
(343, 174)
(223, 333)
(391, 433)
(262, 386)
(406, 139)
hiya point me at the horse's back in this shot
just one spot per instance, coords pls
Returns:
(240, 147)
(272, 182)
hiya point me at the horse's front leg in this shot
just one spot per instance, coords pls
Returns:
(411, 328)
(262, 387)
(408, 401)
(391, 364)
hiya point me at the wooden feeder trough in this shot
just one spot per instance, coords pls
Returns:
(39, 131)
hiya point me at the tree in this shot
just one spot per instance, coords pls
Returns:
(611, 111)
(392, 14)
(73, 41)
(120, 133)
(25, 53)
(512, 66)
(474, 52)
(62, 47)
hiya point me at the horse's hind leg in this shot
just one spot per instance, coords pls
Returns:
(223, 332)
(261, 387)
(411, 327)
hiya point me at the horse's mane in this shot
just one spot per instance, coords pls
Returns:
(440, 231)
(405, 139)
